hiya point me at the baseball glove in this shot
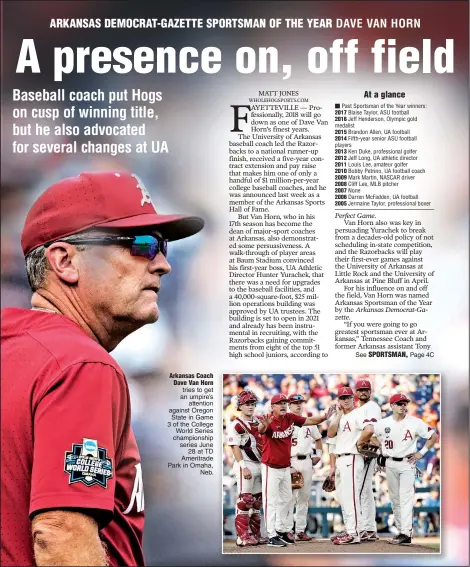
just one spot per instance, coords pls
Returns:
(329, 484)
(369, 450)
(297, 479)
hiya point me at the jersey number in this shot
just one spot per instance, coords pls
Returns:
(294, 442)
(388, 444)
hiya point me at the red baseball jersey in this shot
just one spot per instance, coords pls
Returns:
(66, 436)
(277, 440)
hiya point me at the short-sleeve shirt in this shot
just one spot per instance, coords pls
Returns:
(399, 438)
(277, 440)
(349, 431)
(66, 436)
(371, 412)
(303, 438)
(245, 434)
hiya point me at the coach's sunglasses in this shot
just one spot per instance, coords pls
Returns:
(146, 245)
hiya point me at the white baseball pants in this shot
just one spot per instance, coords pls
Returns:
(348, 479)
(401, 487)
(366, 494)
(252, 485)
(277, 497)
(301, 496)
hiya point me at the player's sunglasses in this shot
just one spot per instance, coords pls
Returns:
(345, 397)
(297, 398)
(146, 245)
(362, 390)
(401, 403)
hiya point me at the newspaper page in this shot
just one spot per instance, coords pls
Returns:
(234, 283)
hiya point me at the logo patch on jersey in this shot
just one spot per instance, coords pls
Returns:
(346, 427)
(407, 435)
(88, 463)
(387, 430)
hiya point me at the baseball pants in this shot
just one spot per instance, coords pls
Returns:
(348, 479)
(401, 487)
(277, 498)
(301, 496)
(252, 485)
(366, 493)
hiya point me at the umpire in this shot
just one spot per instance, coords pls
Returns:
(72, 490)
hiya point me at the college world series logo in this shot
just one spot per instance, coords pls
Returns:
(88, 463)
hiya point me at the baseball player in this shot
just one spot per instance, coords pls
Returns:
(72, 491)
(349, 465)
(371, 413)
(398, 435)
(277, 430)
(303, 458)
(245, 441)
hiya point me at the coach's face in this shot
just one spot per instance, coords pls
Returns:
(280, 409)
(122, 287)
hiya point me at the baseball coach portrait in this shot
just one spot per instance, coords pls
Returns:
(72, 490)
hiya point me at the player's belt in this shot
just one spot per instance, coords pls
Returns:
(396, 458)
(344, 455)
(303, 457)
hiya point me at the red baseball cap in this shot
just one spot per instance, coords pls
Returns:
(296, 398)
(399, 398)
(278, 398)
(246, 396)
(363, 385)
(345, 392)
(108, 199)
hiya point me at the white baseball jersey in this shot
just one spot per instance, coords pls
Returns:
(398, 438)
(371, 412)
(245, 435)
(349, 430)
(303, 438)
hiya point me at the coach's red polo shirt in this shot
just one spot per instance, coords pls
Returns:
(66, 438)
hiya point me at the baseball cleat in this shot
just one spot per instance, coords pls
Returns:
(263, 540)
(247, 541)
(302, 536)
(276, 542)
(347, 540)
(394, 540)
(286, 537)
(368, 536)
(403, 539)
(336, 536)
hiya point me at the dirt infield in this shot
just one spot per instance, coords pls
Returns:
(324, 546)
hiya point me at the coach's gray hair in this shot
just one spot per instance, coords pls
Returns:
(37, 265)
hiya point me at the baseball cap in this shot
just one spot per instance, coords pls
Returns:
(246, 396)
(278, 398)
(363, 384)
(108, 199)
(399, 398)
(296, 398)
(345, 392)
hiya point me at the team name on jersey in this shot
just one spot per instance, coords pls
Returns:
(283, 434)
